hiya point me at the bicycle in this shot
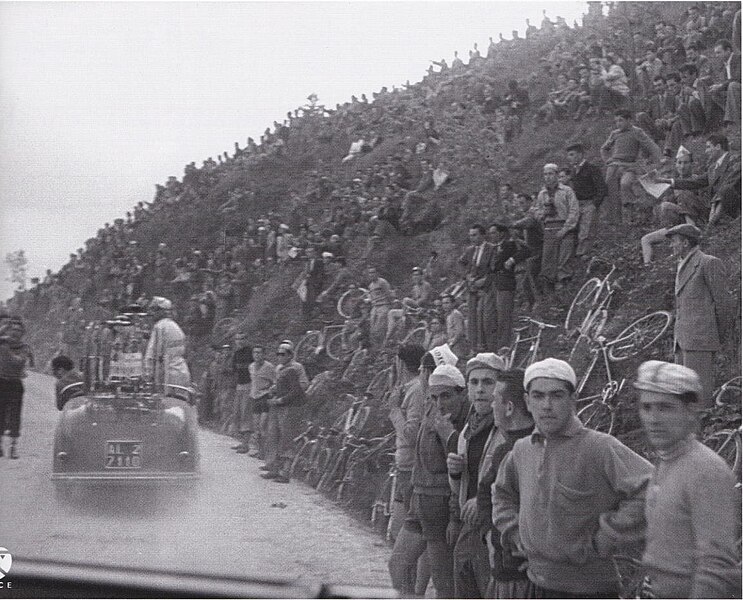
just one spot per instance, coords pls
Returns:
(381, 514)
(361, 465)
(349, 300)
(589, 310)
(523, 336)
(312, 344)
(631, 575)
(600, 413)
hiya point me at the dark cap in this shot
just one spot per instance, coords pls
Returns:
(686, 230)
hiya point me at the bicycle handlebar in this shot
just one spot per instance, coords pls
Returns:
(537, 323)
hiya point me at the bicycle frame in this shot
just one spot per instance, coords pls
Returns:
(612, 387)
(533, 340)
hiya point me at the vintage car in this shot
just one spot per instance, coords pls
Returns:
(117, 425)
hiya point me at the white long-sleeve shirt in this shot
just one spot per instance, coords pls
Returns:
(164, 359)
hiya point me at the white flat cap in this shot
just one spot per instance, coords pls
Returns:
(550, 368)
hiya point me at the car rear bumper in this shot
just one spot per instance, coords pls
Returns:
(125, 478)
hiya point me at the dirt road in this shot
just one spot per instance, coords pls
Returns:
(232, 522)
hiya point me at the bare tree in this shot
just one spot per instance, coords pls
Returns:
(17, 263)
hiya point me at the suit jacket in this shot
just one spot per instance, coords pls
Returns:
(473, 271)
(315, 277)
(503, 278)
(723, 182)
(703, 306)
(659, 107)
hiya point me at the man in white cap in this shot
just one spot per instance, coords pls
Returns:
(691, 504)
(164, 360)
(557, 209)
(704, 311)
(425, 529)
(568, 497)
(475, 446)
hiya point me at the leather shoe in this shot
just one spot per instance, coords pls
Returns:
(281, 479)
(242, 450)
(236, 446)
(266, 468)
(270, 475)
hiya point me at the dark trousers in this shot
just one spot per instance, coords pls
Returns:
(471, 564)
(11, 403)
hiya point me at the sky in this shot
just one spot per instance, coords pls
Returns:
(101, 101)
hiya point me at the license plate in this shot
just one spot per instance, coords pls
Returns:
(123, 455)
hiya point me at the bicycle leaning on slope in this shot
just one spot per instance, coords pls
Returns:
(600, 410)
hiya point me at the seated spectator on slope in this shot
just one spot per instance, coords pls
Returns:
(690, 108)
(726, 94)
(436, 333)
(621, 152)
(723, 178)
(677, 207)
(648, 71)
(421, 294)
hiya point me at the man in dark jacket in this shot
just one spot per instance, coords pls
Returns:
(590, 188)
(241, 359)
(507, 254)
(513, 421)
(476, 262)
(427, 526)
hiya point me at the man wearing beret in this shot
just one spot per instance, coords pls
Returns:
(567, 497)
(427, 523)
(703, 306)
(164, 359)
(476, 444)
(691, 504)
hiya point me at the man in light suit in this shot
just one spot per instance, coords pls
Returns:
(703, 306)
(476, 261)
(722, 178)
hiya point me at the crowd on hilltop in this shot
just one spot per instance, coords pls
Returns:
(491, 517)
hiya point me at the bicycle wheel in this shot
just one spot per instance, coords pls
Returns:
(302, 461)
(598, 416)
(349, 300)
(380, 383)
(318, 467)
(335, 348)
(582, 304)
(729, 393)
(360, 419)
(417, 336)
(333, 474)
(353, 479)
(307, 346)
(638, 336)
(724, 444)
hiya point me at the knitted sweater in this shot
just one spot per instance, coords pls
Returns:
(691, 510)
